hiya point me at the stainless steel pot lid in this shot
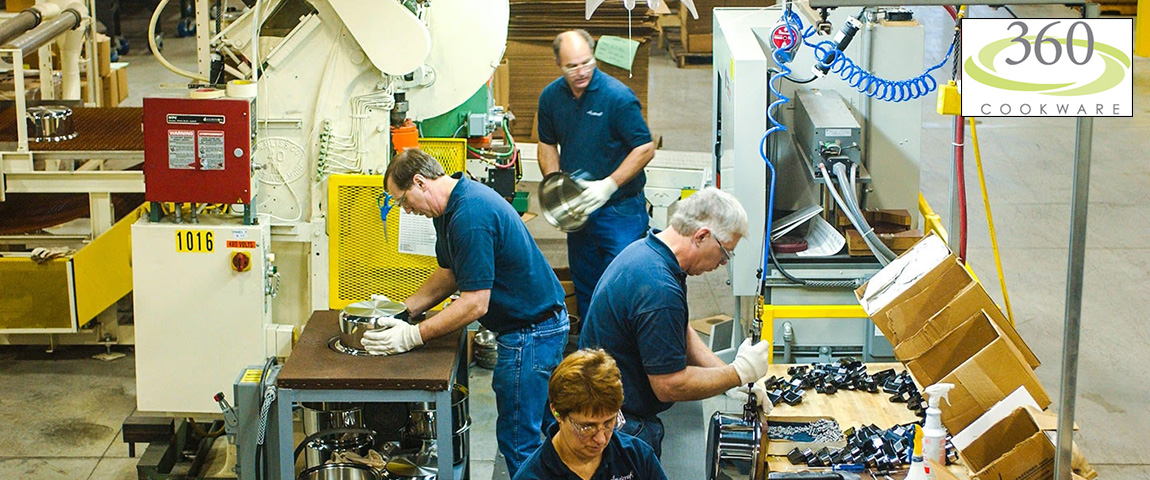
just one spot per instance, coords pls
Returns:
(374, 309)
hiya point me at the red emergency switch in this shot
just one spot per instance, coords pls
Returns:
(241, 261)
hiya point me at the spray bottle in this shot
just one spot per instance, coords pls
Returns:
(934, 434)
(917, 470)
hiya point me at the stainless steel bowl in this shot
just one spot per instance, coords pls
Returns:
(320, 416)
(556, 192)
(340, 471)
(733, 447)
(50, 123)
(359, 317)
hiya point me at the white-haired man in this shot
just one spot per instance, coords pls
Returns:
(639, 314)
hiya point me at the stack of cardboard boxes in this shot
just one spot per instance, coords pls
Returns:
(946, 329)
(113, 76)
(531, 60)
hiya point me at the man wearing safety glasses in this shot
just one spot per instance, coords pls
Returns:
(590, 124)
(639, 314)
(586, 393)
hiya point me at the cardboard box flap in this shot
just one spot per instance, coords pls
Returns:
(953, 349)
(1003, 436)
(1030, 459)
(902, 273)
(984, 380)
(1017, 399)
(908, 316)
(968, 301)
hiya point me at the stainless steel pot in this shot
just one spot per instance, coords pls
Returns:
(340, 471)
(486, 351)
(318, 417)
(412, 467)
(50, 123)
(733, 448)
(557, 191)
(359, 317)
(421, 422)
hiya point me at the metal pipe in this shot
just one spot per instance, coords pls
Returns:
(1073, 323)
(19, 24)
(46, 32)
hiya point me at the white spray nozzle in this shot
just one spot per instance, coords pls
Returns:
(938, 391)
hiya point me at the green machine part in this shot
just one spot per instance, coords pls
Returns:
(446, 125)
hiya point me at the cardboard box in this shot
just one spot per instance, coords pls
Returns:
(697, 42)
(17, 6)
(121, 71)
(904, 296)
(984, 368)
(500, 84)
(718, 330)
(564, 275)
(898, 242)
(109, 92)
(103, 54)
(971, 297)
(1015, 448)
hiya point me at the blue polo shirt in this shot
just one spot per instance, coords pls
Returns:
(596, 131)
(485, 244)
(638, 314)
(625, 458)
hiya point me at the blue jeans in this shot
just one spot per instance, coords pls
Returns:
(647, 429)
(525, 360)
(607, 232)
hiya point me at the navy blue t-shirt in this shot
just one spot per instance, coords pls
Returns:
(625, 458)
(596, 131)
(485, 244)
(638, 314)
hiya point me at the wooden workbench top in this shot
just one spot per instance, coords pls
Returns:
(312, 365)
(851, 408)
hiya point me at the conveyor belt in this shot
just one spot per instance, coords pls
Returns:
(98, 129)
(312, 365)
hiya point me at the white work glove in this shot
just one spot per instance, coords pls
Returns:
(759, 389)
(751, 361)
(594, 195)
(393, 336)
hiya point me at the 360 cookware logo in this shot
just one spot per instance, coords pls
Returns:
(1050, 67)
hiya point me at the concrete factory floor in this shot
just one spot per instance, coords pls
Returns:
(60, 412)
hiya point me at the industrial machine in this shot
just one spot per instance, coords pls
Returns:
(790, 138)
(809, 134)
(64, 277)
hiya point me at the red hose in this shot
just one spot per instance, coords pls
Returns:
(960, 183)
(952, 11)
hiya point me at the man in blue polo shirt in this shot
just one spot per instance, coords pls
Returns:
(485, 252)
(639, 314)
(597, 122)
(586, 392)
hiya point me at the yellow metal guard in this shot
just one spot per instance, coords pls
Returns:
(363, 260)
(771, 312)
(104, 268)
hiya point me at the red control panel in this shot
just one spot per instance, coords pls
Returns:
(198, 150)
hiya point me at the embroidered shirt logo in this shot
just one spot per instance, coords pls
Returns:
(594, 113)
(628, 476)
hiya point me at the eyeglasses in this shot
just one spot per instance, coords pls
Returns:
(727, 254)
(589, 430)
(589, 64)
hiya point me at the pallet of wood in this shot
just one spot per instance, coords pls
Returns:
(682, 57)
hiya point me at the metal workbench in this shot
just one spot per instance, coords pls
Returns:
(315, 373)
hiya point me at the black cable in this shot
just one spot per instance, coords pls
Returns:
(261, 466)
(1015, 15)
